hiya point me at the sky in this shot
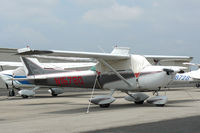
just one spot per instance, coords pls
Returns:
(158, 27)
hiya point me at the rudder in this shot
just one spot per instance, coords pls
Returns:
(32, 66)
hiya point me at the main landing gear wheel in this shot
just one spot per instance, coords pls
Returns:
(140, 102)
(160, 105)
(198, 85)
(104, 105)
(54, 95)
(11, 93)
(24, 96)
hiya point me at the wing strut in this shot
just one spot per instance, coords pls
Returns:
(118, 75)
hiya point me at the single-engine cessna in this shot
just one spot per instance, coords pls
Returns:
(118, 70)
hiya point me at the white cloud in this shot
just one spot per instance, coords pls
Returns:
(116, 14)
(95, 3)
(31, 10)
(17, 35)
(179, 42)
(155, 4)
(29, 21)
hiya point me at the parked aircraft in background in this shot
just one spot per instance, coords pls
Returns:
(118, 70)
(7, 75)
(187, 79)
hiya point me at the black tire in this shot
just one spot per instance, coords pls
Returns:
(139, 102)
(198, 85)
(24, 96)
(104, 105)
(54, 95)
(160, 105)
(11, 93)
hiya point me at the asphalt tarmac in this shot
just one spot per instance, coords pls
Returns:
(67, 113)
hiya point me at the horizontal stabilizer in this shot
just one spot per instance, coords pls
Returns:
(7, 63)
(192, 64)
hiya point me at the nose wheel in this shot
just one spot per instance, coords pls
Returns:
(11, 92)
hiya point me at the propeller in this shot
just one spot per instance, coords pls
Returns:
(168, 71)
(5, 82)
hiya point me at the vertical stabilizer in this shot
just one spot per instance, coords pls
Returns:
(121, 51)
(32, 66)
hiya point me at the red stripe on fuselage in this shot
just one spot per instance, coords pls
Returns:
(145, 73)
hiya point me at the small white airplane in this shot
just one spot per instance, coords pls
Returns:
(117, 70)
(187, 79)
(7, 75)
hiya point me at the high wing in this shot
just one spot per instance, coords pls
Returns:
(68, 65)
(116, 54)
(51, 65)
(168, 60)
(8, 50)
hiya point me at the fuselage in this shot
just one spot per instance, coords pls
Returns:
(138, 74)
(147, 80)
(150, 78)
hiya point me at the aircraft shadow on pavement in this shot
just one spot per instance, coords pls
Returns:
(39, 104)
(196, 90)
(2, 119)
(96, 108)
(61, 96)
(48, 96)
(182, 101)
(180, 125)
